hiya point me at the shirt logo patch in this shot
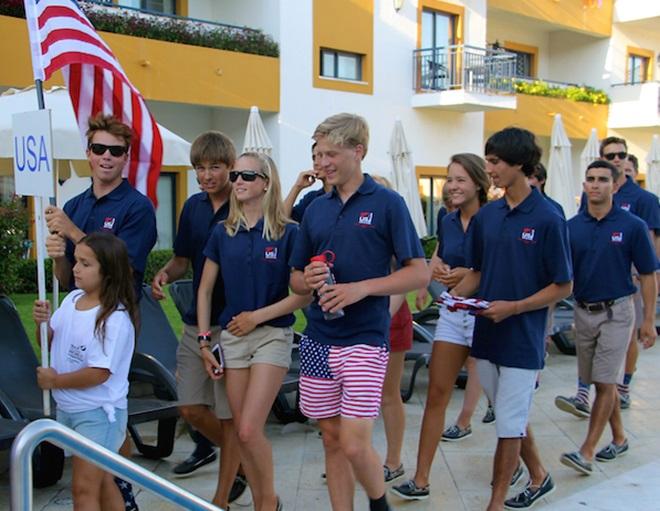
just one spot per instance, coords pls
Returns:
(109, 222)
(270, 253)
(366, 218)
(625, 206)
(76, 354)
(527, 234)
(617, 237)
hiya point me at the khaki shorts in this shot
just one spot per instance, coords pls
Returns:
(601, 343)
(194, 387)
(264, 345)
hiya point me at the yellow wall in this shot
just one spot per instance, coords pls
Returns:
(536, 114)
(344, 25)
(581, 15)
(164, 71)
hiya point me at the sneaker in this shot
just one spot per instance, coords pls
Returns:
(530, 495)
(410, 491)
(237, 488)
(392, 474)
(624, 401)
(612, 451)
(193, 462)
(576, 461)
(455, 433)
(573, 406)
(517, 475)
(126, 490)
(489, 417)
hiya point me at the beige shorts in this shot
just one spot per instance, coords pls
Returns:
(194, 387)
(601, 343)
(264, 345)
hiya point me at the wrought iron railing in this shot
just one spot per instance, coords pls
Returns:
(463, 67)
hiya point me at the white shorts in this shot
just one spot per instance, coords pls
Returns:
(454, 327)
(510, 390)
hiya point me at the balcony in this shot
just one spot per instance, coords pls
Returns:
(463, 79)
(164, 70)
(635, 105)
(536, 113)
(585, 16)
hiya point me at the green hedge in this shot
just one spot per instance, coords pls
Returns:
(13, 230)
(582, 93)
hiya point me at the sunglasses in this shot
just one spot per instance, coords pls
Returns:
(115, 150)
(246, 175)
(610, 156)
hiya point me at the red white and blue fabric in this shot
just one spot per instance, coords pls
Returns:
(61, 37)
(344, 381)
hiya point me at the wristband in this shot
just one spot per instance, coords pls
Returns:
(204, 334)
(203, 337)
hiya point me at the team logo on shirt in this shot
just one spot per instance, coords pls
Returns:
(270, 253)
(109, 222)
(527, 235)
(625, 206)
(366, 218)
(617, 237)
(76, 354)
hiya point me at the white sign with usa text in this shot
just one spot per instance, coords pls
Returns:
(33, 154)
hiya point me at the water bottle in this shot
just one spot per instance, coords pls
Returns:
(328, 257)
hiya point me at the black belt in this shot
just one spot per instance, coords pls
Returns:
(600, 306)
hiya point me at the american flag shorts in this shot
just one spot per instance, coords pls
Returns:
(341, 380)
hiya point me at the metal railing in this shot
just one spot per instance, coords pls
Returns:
(47, 429)
(463, 67)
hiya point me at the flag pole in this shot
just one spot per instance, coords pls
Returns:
(39, 207)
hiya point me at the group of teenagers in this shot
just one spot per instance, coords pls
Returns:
(347, 255)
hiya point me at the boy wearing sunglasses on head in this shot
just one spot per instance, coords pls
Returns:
(110, 204)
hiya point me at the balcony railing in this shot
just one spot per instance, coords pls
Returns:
(463, 67)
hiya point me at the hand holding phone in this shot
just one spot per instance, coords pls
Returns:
(219, 356)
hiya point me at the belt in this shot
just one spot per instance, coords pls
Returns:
(601, 306)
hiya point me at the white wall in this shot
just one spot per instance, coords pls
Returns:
(578, 58)
(259, 14)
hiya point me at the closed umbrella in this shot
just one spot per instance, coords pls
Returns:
(590, 153)
(68, 148)
(404, 178)
(256, 138)
(560, 184)
(653, 169)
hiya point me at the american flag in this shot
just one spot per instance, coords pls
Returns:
(61, 37)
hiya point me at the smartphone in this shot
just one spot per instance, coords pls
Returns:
(217, 353)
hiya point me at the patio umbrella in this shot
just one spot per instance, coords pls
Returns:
(653, 169)
(404, 178)
(256, 139)
(68, 148)
(560, 184)
(590, 153)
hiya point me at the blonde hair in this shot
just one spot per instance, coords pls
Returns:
(383, 181)
(344, 130)
(274, 218)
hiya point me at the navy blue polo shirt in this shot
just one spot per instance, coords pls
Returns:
(195, 226)
(255, 270)
(452, 239)
(373, 226)
(603, 251)
(299, 209)
(518, 251)
(556, 205)
(642, 203)
(126, 213)
(442, 212)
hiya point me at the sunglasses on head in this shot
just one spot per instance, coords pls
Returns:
(610, 156)
(115, 150)
(246, 175)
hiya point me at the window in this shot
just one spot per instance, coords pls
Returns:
(341, 65)
(162, 6)
(638, 67)
(430, 193)
(526, 58)
(438, 29)
(166, 212)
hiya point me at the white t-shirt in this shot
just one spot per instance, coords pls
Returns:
(75, 346)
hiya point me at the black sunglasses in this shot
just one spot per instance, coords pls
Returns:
(246, 175)
(115, 150)
(610, 156)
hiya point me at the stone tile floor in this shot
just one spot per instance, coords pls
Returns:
(462, 471)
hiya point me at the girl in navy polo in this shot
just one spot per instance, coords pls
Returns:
(467, 185)
(251, 250)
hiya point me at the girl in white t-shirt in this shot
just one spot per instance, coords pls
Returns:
(92, 337)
